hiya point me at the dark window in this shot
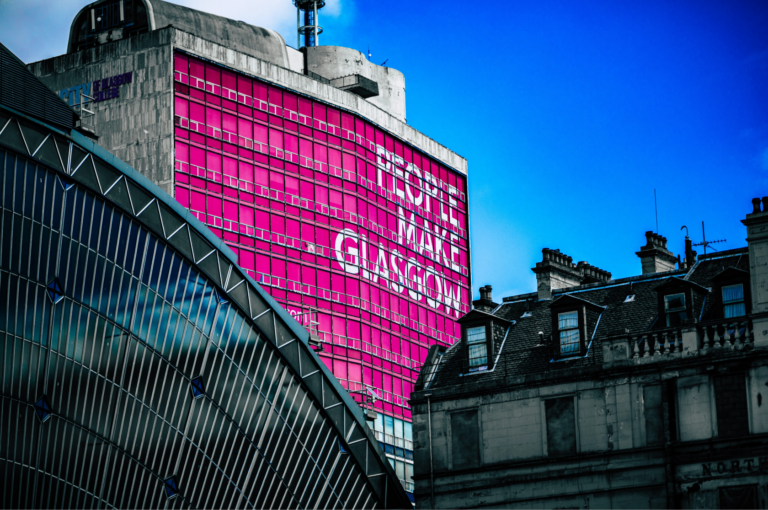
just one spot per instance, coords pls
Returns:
(731, 405)
(733, 301)
(171, 489)
(654, 417)
(198, 390)
(465, 439)
(561, 426)
(674, 309)
(568, 327)
(476, 347)
(43, 409)
(740, 496)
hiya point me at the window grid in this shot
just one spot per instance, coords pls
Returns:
(568, 326)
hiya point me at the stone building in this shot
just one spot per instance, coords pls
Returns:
(641, 392)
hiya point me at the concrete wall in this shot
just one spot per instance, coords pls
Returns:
(137, 126)
(336, 61)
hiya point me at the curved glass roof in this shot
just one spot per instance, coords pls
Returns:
(142, 365)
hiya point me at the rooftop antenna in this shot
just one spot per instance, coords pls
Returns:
(311, 30)
(656, 208)
(369, 52)
(704, 241)
(384, 62)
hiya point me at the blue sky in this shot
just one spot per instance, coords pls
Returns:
(569, 113)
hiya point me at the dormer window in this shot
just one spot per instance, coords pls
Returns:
(674, 309)
(568, 329)
(477, 347)
(733, 301)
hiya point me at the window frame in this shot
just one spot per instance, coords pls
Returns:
(483, 342)
(487, 323)
(581, 311)
(742, 301)
(684, 309)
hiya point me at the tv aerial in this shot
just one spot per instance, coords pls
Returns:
(706, 244)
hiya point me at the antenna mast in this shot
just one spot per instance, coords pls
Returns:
(311, 30)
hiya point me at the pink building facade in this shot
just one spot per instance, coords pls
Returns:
(361, 236)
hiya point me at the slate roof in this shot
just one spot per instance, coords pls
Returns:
(523, 351)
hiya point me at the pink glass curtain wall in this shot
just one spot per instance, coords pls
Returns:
(330, 213)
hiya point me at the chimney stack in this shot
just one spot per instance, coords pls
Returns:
(654, 256)
(485, 303)
(757, 241)
(557, 271)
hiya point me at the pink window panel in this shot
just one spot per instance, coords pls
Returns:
(335, 197)
(347, 121)
(197, 156)
(228, 79)
(276, 138)
(293, 271)
(182, 152)
(355, 372)
(290, 101)
(367, 375)
(308, 275)
(230, 210)
(262, 219)
(318, 111)
(387, 383)
(340, 369)
(334, 117)
(248, 260)
(291, 143)
(180, 63)
(260, 133)
(305, 148)
(213, 74)
(213, 117)
(348, 162)
(262, 264)
(245, 128)
(230, 167)
(182, 107)
(198, 201)
(247, 215)
(260, 90)
(276, 180)
(292, 185)
(244, 85)
(307, 190)
(197, 68)
(337, 284)
(397, 386)
(214, 206)
(182, 196)
(323, 236)
(278, 267)
(353, 288)
(321, 153)
(292, 228)
(359, 127)
(321, 194)
(230, 123)
(275, 96)
(323, 280)
(305, 107)
(277, 224)
(197, 112)
(261, 176)
(308, 232)
(334, 157)
(350, 203)
(213, 161)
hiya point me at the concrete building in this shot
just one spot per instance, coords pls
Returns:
(142, 367)
(302, 162)
(641, 392)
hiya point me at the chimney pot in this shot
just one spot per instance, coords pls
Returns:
(755, 205)
(765, 204)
